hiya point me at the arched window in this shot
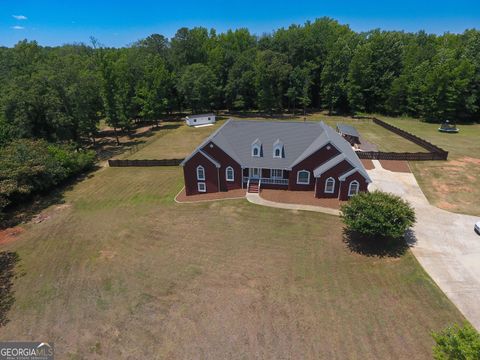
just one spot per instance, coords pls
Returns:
(278, 149)
(257, 148)
(229, 174)
(303, 177)
(200, 172)
(330, 185)
(353, 188)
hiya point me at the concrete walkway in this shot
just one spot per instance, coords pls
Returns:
(446, 245)
(256, 199)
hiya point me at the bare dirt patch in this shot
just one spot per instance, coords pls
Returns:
(107, 254)
(299, 197)
(367, 164)
(395, 165)
(10, 234)
(224, 195)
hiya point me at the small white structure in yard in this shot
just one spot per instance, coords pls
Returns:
(200, 120)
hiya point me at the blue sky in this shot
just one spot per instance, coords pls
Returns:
(117, 23)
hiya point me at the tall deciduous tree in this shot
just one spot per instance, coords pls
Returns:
(197, 85)
(271, 79)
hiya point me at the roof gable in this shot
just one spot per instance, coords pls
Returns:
(301, 139)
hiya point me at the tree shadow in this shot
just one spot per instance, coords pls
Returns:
(26, 209)
(380, 246)
(262, 115)
(8, 260)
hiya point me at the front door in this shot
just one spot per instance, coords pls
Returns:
(254, 173)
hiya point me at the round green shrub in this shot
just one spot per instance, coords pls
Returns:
(378, 214)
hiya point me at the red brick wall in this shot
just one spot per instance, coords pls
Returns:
(225, 161)
(345, 184)
(190, 174)
(310, 163)
(334, 172)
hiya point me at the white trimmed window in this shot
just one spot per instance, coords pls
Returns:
(200, 172)
(201, 187)
(256, 150)
(278, 152)
(229, 174)
(353, 188)
(303, 177)
(276, 174)
(330, 186)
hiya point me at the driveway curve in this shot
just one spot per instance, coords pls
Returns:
(446, 245)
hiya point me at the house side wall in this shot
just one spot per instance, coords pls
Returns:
(310, 163)
(334, 172)
(190, 174)
(225, 161)
(346, 183)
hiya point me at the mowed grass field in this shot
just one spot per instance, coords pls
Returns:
(177, 140)
(174, 140)
(119, 270)
(453, 185)
(122, 271)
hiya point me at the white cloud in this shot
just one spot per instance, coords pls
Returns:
(20, 17)
(16, 27)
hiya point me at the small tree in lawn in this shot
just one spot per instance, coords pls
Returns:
(378, 214)
(459, 343)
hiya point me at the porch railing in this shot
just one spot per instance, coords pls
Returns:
(269, 181)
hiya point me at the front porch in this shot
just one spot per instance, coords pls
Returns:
(255, 178)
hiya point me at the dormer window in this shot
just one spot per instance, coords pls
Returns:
(278, 151)
(257, 148)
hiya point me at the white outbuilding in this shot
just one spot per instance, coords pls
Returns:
(200, 120)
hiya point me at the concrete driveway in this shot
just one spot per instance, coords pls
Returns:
(446, 245)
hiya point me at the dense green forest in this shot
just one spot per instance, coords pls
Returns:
(59, 95)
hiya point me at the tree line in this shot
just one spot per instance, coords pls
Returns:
(61, 93)
(52, 99)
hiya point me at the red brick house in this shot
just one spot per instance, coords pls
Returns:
(298, 156)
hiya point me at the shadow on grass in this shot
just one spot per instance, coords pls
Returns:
(8, 260)
(25, 210)
(379, 246)
(107, 148)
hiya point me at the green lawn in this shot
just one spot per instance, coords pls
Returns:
(177, 140)
(448, 185)
(174, 140)
(122, 271)
(454, 184)
(383, 138)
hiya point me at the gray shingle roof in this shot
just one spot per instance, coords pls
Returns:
(299, 140)
(347, 130)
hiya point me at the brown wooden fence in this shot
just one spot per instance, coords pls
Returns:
(413, 138)
(434, 152)
(408, 156)
(144, 163)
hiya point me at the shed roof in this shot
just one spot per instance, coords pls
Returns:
(347, 130)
